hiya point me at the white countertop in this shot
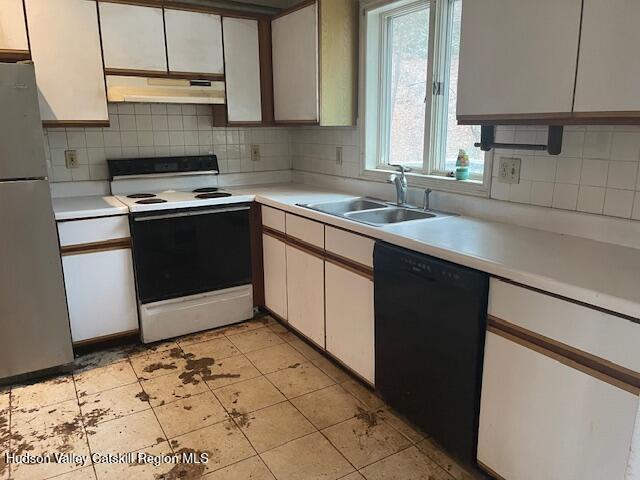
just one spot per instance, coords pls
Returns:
(75, 208)
(599, 274)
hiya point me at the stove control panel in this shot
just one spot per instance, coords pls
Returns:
(156, 165)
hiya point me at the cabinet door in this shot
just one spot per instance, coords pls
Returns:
(194, 42)
(242, 64)
(132, 37)
(305, 293)
(275, 275)
(101, 293)
(522, 65)
(294, 43)
(13, 30)
(608, 65)
(65, 48)
(350, 321)
(540, 418)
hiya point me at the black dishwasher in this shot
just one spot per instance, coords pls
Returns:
(430, 318)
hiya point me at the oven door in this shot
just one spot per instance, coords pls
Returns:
(185, 252)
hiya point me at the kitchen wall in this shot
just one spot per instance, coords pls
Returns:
(597, 172)
(148, 130)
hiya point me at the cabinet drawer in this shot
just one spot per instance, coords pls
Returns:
(273, 218)
(94, 230)
(305, 230)
(349, 245)
(598, 333)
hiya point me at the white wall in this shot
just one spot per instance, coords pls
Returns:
(597, 171)
(160, 130)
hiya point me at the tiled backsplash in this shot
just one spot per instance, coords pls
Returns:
(597, 172)
(148, 130)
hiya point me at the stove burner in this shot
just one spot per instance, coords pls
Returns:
(213, 195)
(149, 201)
(205, 190)
(141, 195)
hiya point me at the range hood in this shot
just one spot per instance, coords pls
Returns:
(121, 88)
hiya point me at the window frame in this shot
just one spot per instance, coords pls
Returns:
(373, 117)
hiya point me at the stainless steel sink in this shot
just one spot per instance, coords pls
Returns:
(389, 215)
(341, 207)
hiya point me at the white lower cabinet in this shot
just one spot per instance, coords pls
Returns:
(101, 293)
(349, 319)
(305, 293)
(275, 275)
(540, 418)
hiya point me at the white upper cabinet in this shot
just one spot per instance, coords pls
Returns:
(608, 65)
(519, 57)
(242, 62)
(65, 48)
(294, 38)
(132, 37)
(194, 42)
(13, 30)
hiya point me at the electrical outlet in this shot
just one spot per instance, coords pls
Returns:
(339, 155)
(71, 159)
(255, 153)
(509, 171)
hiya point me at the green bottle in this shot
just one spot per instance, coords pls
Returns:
(462, 165)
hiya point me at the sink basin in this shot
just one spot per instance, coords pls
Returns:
(389, 215)
(342, 207)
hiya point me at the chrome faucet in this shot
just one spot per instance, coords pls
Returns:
(400, 181)
(427, 194)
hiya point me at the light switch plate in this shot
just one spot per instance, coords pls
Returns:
(509, 170)
(71, 159)
(255, 153)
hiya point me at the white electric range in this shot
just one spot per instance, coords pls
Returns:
(191, 244)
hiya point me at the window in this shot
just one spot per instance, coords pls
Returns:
(410, 70)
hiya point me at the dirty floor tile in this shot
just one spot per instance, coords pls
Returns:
(223, 442)
(148, 349)
(184, 416)
(250, 469)
(328, 406)
(274, 426)
(42, 394)
(435, 453)
(255, 340)
(158, 364)
(230, 370)
(248, 326)
(309, 458)
(299, 379)
(275, 358)
(332, 370)
(365, 439)
(200, 337)
(353, 476)
(305, 349)
(126, 434)
(216, 348)
(410, 464)
(169, 388)
(115, 403)
(248, 396)
(139, 468)
(362, 393)
(396, 422)
(105, 378)
(85, 473)
(100, 358)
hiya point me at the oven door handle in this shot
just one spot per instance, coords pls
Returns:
(190, 213)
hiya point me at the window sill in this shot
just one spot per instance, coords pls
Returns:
(478, 188)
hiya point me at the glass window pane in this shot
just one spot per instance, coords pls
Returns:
(459, 136)
(408, 50)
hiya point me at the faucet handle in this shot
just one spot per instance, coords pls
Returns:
(427, 194)
(401, 168)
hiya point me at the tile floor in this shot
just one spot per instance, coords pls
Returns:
(255, 398)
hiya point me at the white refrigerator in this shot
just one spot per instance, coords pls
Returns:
(34, 320)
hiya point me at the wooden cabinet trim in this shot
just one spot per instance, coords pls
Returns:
(14, 55)
(298, 6)
(105, 339)
(75, 123)
(93, 247)
(348, 264)
(596, 367)
(272, 232)
(163, 74)
(257, 256)
(570, 118)
(266, 71)
(306, 247)
(170, 5)
(570, 300)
